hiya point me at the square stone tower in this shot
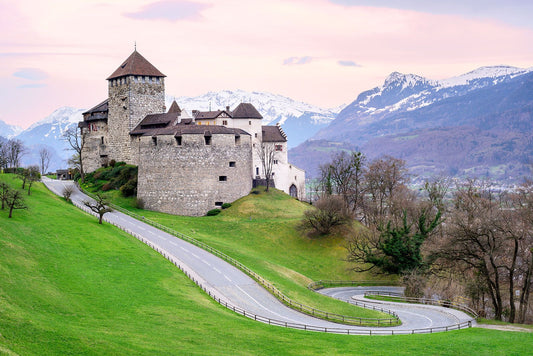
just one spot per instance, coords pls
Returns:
(136, 89)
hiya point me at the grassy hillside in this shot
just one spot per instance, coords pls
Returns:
(259, 230)
(71, 286)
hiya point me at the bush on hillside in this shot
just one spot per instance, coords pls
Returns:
(226, 205)
(213, 212)
(129, 188)
(329, 213)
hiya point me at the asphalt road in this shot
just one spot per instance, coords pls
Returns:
(233, 286)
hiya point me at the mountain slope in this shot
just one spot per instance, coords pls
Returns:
(487, 112)
(9, 131)
(299, 120)
(49, 133)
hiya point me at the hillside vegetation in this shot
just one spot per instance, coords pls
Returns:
(259, 230)
(72, 287)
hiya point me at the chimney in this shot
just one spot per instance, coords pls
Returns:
(227, 108)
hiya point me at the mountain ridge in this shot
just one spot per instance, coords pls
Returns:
(409, 107)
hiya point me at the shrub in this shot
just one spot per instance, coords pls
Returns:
(130, 188)
(139, 203)
(226, 205)
(256, 192)
(112, 163)
(106, 187)
(329, 213)
(67, 192)
(213, 212)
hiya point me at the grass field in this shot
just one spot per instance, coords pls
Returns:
(260, 231)
(69, 286)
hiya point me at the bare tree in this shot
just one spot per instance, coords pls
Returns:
(75, 137)
(98, 206)
(15, 152)
(33, 176)
(45, 155)
(489, 234)
(328, 213)
(385, 183)
(267, 154)
(23, 175)
(15, 201)
(3, 153)
(344, 176)
(67, 192)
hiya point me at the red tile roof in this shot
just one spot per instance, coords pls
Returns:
(136, 65)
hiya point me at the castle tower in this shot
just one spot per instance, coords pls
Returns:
(136, 89)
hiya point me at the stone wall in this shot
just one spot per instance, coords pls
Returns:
(188, 179)
(131, 98)
(94, 154)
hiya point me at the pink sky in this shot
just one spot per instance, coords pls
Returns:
(58, 53)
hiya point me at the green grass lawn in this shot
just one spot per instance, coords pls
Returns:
(260, 232)
(69, 286)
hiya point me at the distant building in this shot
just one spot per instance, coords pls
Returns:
(188, 163)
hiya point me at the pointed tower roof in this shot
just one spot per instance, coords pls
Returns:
(174, 108)
(136, 65)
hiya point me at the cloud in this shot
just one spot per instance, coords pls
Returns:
(348, 63)
(171, 10)
(297, 60)
(30, 74)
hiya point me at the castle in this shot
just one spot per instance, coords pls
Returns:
(187, 163)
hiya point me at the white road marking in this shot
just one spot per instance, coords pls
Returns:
(184, 249)
(207, 263)
(173, 243)
(217, 270)
(195, 255)
(228, 278)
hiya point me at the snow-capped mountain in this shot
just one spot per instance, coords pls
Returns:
(403, 93)
(478, 123)
(49, 133)
(9, 131)
(298, 119)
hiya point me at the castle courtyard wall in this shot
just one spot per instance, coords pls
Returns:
(188, 179)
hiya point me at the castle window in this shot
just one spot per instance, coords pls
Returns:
(256, 135)
(232, 164)
(218, 203)
(249, 122)
(102, 140)
(222, 178)
(224, 122)
(237, 140)
(279, 148)
(256, 171)
(154, 140)
(275, 161)
(178, 140)
(207, 140)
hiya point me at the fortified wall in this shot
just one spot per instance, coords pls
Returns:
(192, 177)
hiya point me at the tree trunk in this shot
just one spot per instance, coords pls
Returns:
(11, 211)
(512, 307)
(526, 288)
(100, 219)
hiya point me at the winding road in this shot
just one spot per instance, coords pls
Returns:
(232, 287)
